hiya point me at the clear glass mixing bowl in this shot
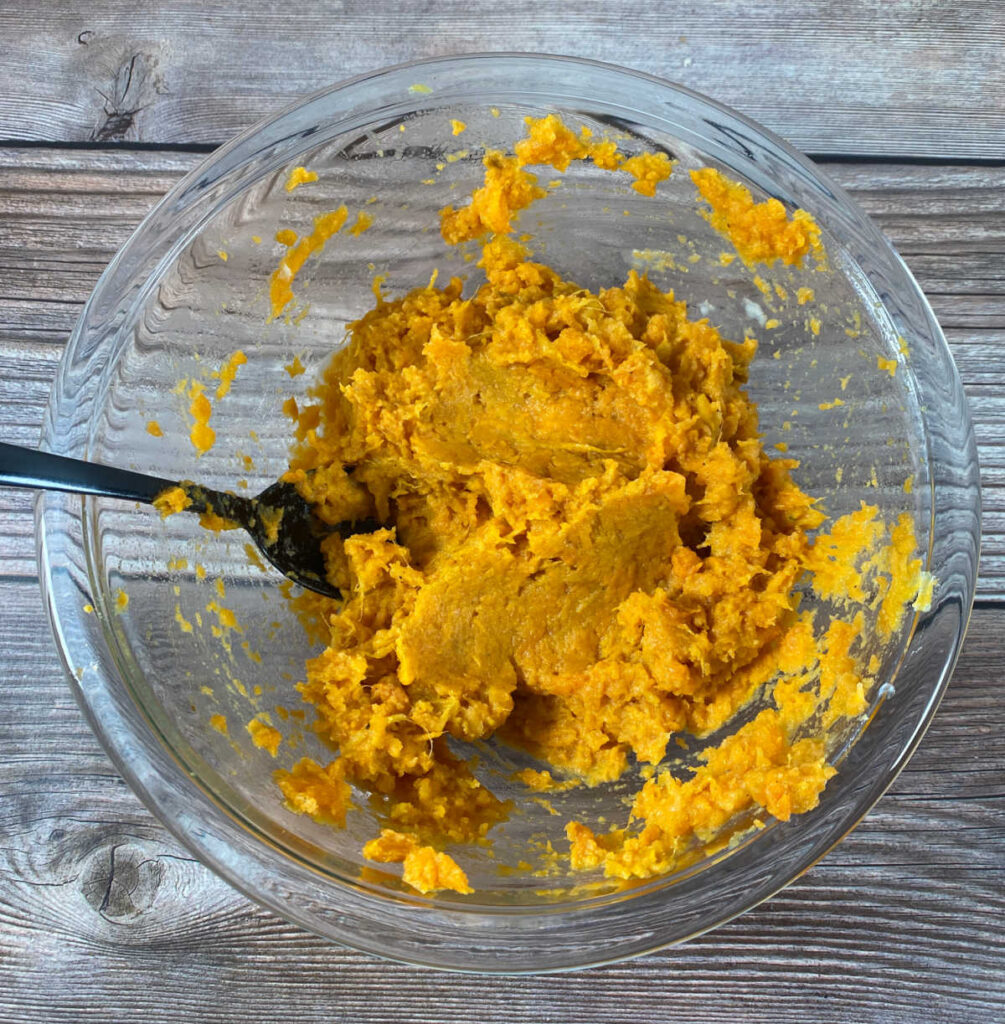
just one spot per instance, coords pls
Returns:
(171, 307)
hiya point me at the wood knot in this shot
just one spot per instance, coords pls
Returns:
(135, 85)
(121, 881)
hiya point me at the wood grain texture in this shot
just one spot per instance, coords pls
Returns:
(864, 77)
(63, 214)
(104, 917)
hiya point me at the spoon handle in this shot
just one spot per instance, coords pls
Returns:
(26, 467)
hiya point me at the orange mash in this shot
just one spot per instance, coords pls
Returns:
(172, 500)
(203, 436)
(761, 232)
(586, 549)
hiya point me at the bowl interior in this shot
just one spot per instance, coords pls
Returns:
(193, 287)
(211, 298)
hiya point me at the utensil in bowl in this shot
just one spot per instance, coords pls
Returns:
(279, 520)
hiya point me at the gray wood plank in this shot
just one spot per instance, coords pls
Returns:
(865, 77)
(63, 213)
(103, 916)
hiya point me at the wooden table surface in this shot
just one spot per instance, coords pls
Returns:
(103, 916)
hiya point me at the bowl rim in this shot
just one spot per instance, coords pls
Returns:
(222, 843)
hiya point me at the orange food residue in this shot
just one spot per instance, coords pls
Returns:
(321, 793)
(183, 624)
(424, 868)
(264, 736)
(172, 500)
(226, 617)
(300, 176)
(508, 188)
(761, 232)
(281, 282)
(202, 435)
(362, 223)
(648, 170)
(890, 365)
(228, 371)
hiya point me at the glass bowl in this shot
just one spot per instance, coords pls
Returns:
(191, 286)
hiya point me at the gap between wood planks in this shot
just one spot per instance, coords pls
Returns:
(823, 157)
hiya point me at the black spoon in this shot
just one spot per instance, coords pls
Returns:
(279, 520)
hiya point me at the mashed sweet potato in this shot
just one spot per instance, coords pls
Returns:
(586, 548)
